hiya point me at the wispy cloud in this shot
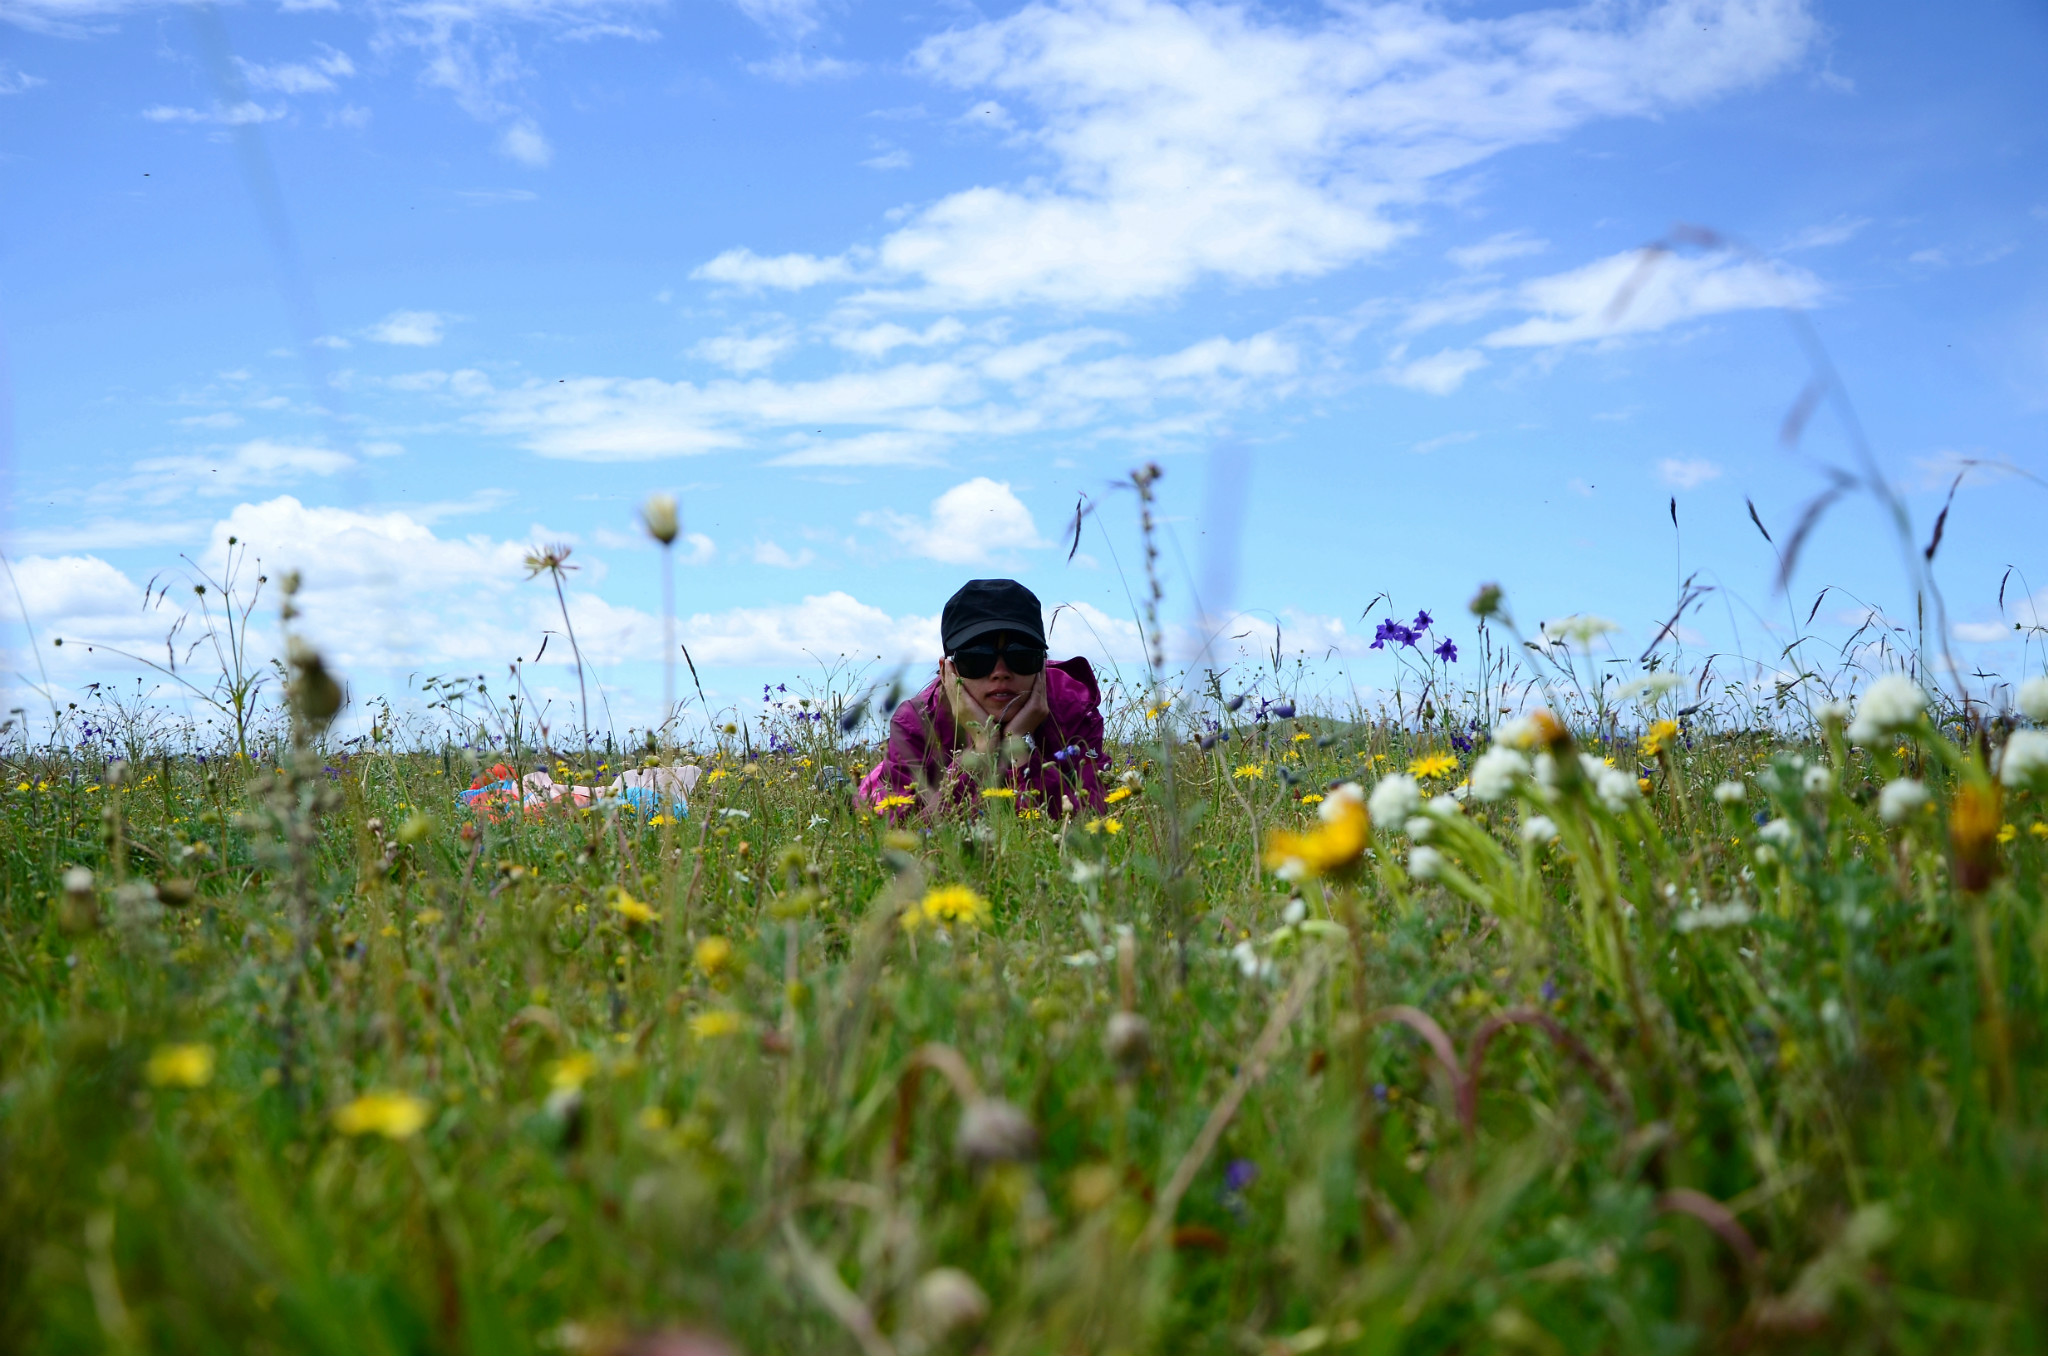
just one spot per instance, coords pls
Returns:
(1689, 473)
(1496, 249)
(409, 329)
(1638, 292)
(1263, 150)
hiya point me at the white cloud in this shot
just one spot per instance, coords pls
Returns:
(1495, 248)
(877, 341)
(80, 596)
(1836, 232)
(776, 555)
(1636, 292)
(523, 142)
(823, 627)
(1439, 374)
(218, 419)
(785, 19)
(105, 534)
(1250, 149)
(794, 68)
(901, 413)
(413, 329)
(744, 268)
(1688, 474)
(254, 464)
(243, 114)
(866, 449)
(894, 159)
(968, 524)
(14, 81)
(317, 76)
(744, 353)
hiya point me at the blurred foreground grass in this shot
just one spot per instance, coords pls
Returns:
(315, 1062)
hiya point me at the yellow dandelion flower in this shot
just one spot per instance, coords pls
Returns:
(946, 904)
(1121, 793)
(1247, 771)
(715, 775)
(2007, 832)
(713, 955)
(1111, 826)
(716, 1022)
(1658, 738)
(181, 1066)
(999, 793)
(571, 1073)
(1312, 798)
(394, 1115)
(1643, 785)
(1433, 765)
(1030, 814)
(2038, 828)
(1156, 710)
(631, 909)
(888, 803)
(1335, 844)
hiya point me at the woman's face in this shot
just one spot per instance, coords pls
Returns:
(995, 693)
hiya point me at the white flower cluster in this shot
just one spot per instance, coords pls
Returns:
(1497, 772)
(2024, 763)
(1730, 793)
(1394, 800)
(1890, 705)
(1617, 790)
(2034, 700)
(1538, 830)
(1900, 800)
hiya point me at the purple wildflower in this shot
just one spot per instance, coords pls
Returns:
(1240, 1173)
(1422, 620)
(1448, 651)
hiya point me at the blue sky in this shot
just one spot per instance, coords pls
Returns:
(395, 291)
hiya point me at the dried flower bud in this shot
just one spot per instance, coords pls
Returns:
(993, 1131)
(80, 911)
(1486, 602)
(946, 1301)
(659, 514)
(1128, 1039)
(314, 693)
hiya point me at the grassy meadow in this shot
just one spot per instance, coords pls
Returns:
(1662, 1035)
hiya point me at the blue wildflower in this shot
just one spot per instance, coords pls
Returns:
(1448, 651)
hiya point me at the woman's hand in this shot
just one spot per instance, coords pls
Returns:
(1028, 712)
(969, 717)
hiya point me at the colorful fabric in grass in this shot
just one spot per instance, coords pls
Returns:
(647, 792)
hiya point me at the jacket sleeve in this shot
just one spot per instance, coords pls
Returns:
(908, 749)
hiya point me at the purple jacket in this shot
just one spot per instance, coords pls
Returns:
(1061, 770)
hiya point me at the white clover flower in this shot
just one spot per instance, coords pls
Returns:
(1419, 827)
(1250, 963)
(1617, 790)
(1766, 855)
(1819, 780)
(2034, 700)
(1424, 863)
(1538, 830)
(1833, 711)
(1651, 688)
(2025, 760)
(1891, 704)
(1496, 772)
(1518, 733)
(1900, 800)
(1394, 799)
(1339, 801)
(1296, 910)
(1445, 805)
(1781, 832)
(1730, 793)
(1581, 629)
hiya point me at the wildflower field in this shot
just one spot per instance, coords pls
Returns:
(1574, 1028)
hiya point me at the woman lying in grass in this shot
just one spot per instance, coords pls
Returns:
(998, 720)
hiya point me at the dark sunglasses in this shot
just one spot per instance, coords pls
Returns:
(979, 660)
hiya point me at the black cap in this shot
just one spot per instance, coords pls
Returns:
(985, 605)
